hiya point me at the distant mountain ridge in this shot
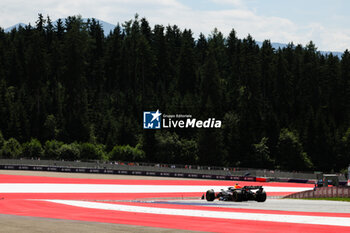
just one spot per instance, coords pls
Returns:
(277, 46)
(108, 27)
(15, 26)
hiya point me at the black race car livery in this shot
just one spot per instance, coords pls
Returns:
(246, 193)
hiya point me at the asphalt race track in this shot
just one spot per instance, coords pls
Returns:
(167, 204)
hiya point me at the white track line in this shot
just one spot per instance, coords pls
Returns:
(110, 188)
(319, 220)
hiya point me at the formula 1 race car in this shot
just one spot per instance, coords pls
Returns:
(245, 193)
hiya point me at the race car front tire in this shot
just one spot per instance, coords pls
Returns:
(210, 195)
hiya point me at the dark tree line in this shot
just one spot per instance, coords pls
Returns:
(68, 83)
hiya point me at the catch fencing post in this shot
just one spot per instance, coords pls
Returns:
(349, 175)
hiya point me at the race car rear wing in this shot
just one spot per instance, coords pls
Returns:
(247, 187)
(252, 187)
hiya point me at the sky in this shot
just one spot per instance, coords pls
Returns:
(325, 22)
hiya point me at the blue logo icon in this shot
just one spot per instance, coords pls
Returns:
(151, 120)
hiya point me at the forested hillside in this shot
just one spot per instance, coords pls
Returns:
(69, 92)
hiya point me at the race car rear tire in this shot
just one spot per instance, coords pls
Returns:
(237, 196)
(261, 196)
(210, 195)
